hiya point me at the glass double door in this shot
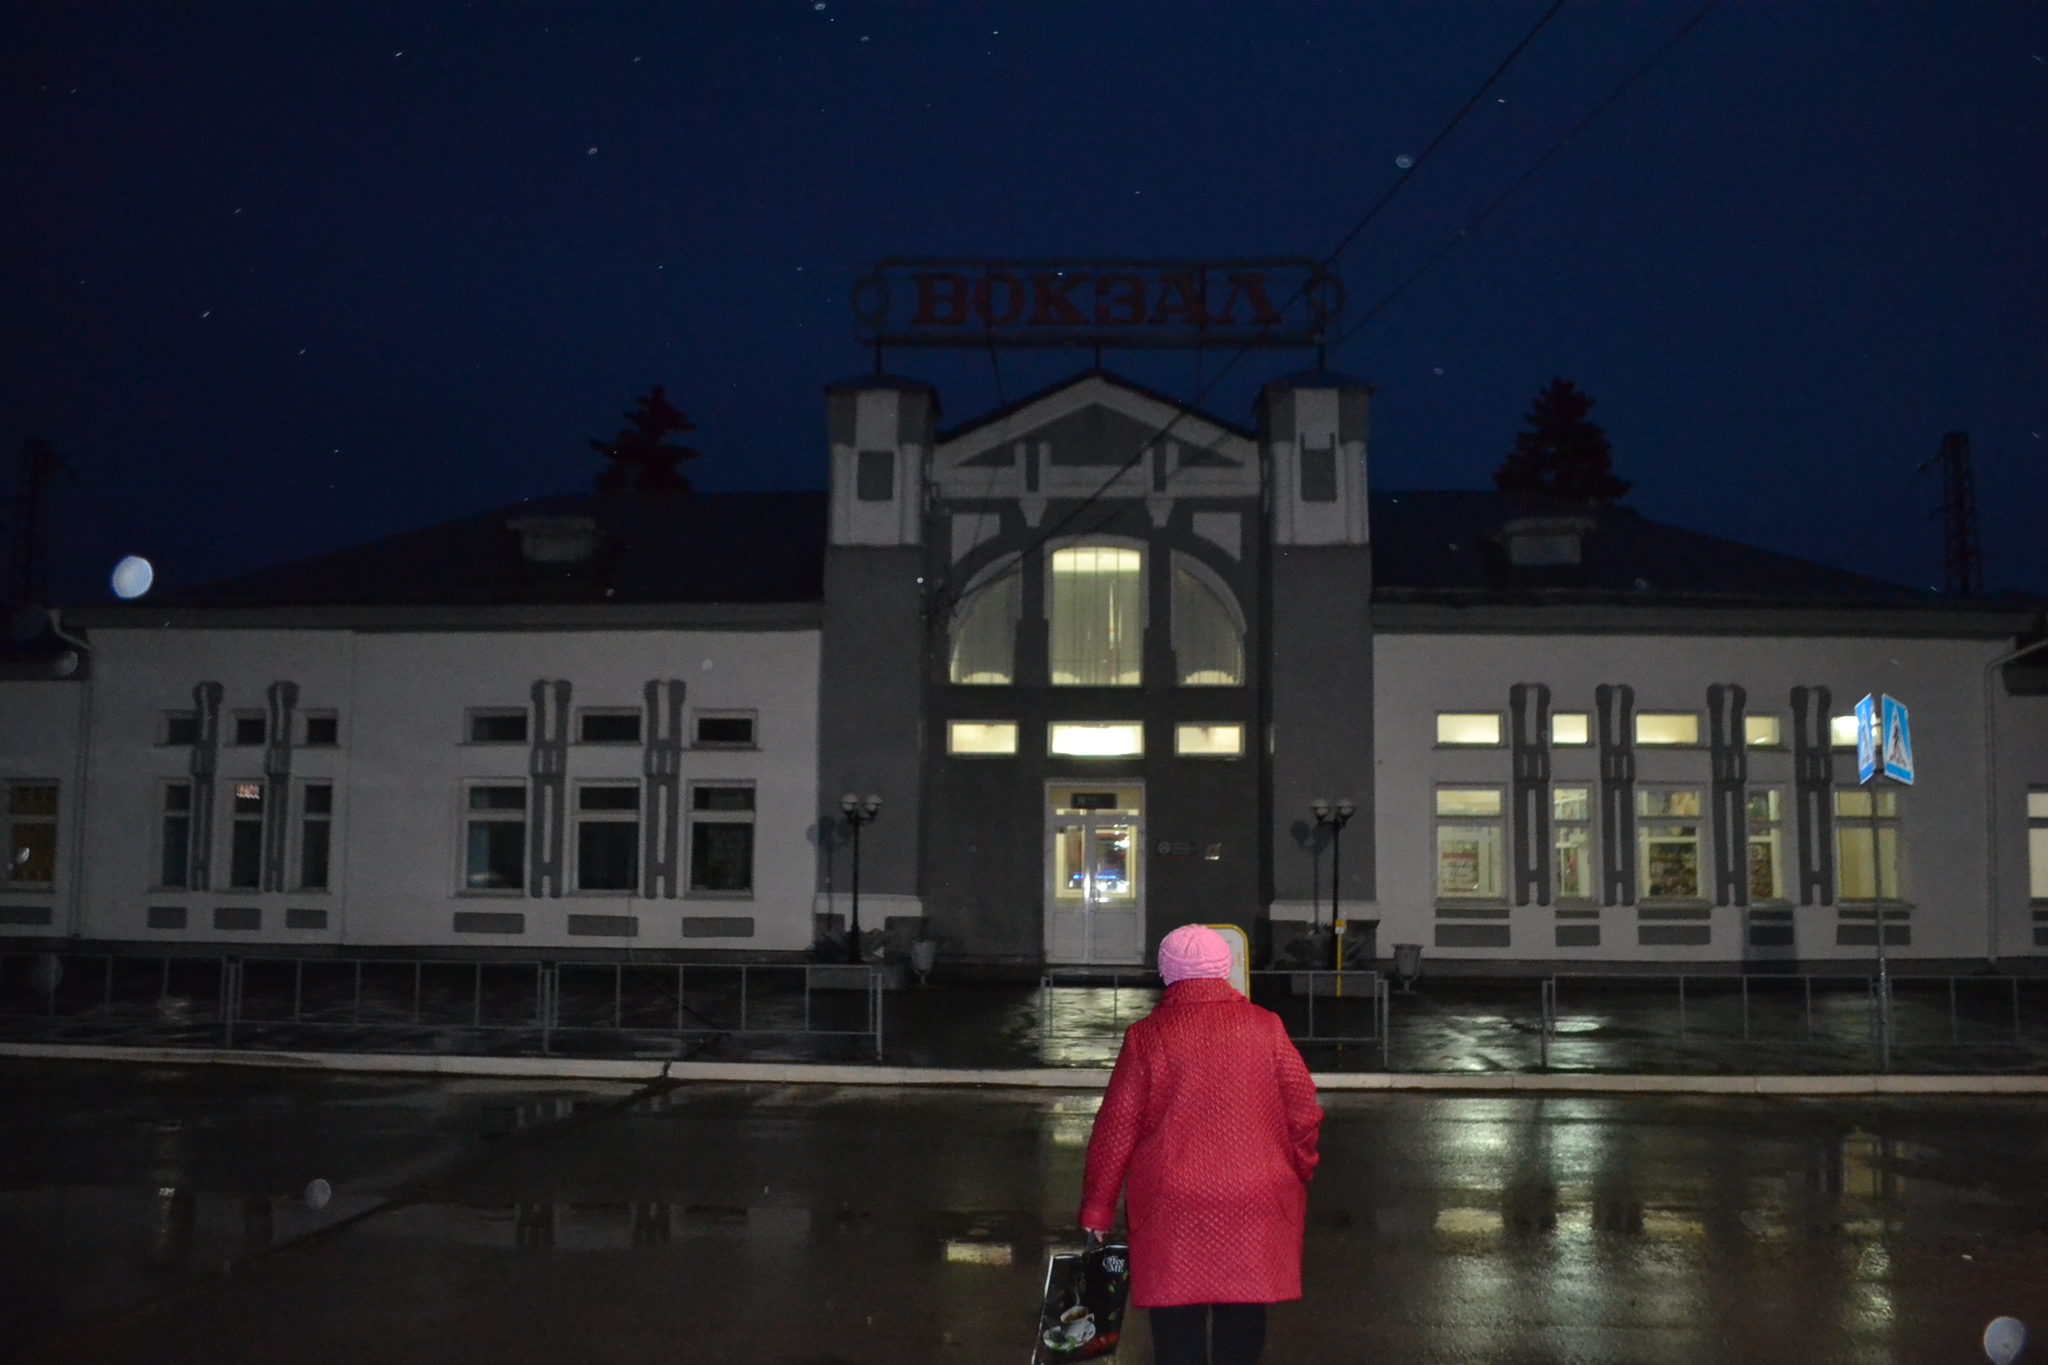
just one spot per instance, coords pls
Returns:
(1095, 895)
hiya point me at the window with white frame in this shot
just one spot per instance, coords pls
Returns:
(1208, 741)
(245, 835)
(1766, 844)
(31, 834)
(985, 628)
(1571, 835)
(1474, 729)
(608, 836)
(1667, 729)
(1860, 875)
(494, 837)
(724, 730)
(1096, 605)
(981, 738)
(1208, 641)
(2037, 845)
(316, 834)
(496, 725)
(722, 838)
(1842, 732)
(612, 726)
(1763, 732)
(1468, 843)
(1668, 832)
(174, 836)
(1571, 729)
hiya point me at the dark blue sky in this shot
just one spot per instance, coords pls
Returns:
(283, 277)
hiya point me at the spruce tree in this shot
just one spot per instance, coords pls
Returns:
(641, 458)
(1561, 457)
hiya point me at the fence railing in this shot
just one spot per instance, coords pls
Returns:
(549, 1001)
(1082, 1015)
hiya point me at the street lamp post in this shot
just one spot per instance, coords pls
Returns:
(858, 811)
(1336, 817)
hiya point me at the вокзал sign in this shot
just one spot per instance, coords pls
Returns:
(1100, 303)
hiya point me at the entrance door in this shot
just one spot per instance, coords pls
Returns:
(1095, 895)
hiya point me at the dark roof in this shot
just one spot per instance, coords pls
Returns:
(660, 547)
(1445, 545)
(1098, 372)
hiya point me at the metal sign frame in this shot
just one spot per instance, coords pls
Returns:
(1103, 303)
(1897, 750)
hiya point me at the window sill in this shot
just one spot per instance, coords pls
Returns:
(1470, 748)
(601, 894)
(694, 894)
(729, 748)
(490, 893)
(478, 744)
(28, 889)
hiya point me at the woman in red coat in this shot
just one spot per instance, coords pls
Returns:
(1210, 1120)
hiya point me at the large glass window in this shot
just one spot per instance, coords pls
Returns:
(245, 835)
(32, 833)
(2037, 845)
(1667, 728)
(1571, 832)
(1468, 843)
(1208, 646)
(316, 829)
(1097, 607)
(981, 737)
(608, 838)
(1856, 878)
(1766, 845)
(174, 836)
(722, 839)
(1468, 727)
(1096, 739)
(496, 839)
(985, 631)
(1669, 831)
(1571, 728)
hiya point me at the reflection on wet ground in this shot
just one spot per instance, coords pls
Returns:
(815, 1224)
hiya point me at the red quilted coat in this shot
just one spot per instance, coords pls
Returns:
(1212, 1119)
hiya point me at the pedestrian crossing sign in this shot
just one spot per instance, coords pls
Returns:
(1867, 739)
(1898, 742)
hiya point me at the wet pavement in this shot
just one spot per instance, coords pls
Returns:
(814, 1224)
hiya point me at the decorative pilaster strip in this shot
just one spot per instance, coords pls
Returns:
(283, 699)
(1727, 705)
(1617, 716)
(206, 702)
(1529, 720)
(1813, 782)
(547, 816)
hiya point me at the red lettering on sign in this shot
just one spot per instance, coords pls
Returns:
(1013, 299)
(1251, 287)
(1180, 300)
(1120, 300)
(941, 300)
(1053, 307)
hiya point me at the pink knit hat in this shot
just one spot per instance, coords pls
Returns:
(1193, 951)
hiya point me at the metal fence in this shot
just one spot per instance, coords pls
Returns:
(549, 1004)
(1082, 1015)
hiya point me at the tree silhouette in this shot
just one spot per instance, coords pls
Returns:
(641, 459)
(1561, 457)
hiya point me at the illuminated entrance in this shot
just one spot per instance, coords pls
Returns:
(1095, 894)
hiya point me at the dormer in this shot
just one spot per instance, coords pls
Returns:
(881, 435)
(1313, 426)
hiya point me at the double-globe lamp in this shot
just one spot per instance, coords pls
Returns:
(858, 810)
(1336, 817)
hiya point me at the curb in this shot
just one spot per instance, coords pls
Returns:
(1041, 1078)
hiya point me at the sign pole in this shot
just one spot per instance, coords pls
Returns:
(1884, 979)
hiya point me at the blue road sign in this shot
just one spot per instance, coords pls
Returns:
(1898, 742)
(1867, 739)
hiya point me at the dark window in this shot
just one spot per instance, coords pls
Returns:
(1319, 473)
(875, 476)
(245, 837)
(175, 865)
(723, 798)
(238, 917)
(249, 729)
(497, 798)
(319, 799)
(496, 850)
(181, 728)
(322, 732)
(497, 727)
(31, 834)
(737, 731)
(607, 855)
(721, 856)
(612, 728)
(609, 798)
(316, 832)
(166, 916)
(305, 919)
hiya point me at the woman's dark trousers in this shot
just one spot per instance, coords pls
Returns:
(1209, 1334)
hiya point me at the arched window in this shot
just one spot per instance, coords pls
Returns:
(985, 628)
(1097, 607)
(1208, 636)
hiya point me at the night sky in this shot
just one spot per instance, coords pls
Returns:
(283, 277)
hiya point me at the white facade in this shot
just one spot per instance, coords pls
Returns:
(39, 746)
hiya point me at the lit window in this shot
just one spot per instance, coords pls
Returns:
(722, 839)
(1098, 617)
(180, 729)
(1468, 843)
(1571, 831)
(1209, 741)
(725, 732)
(497, 727)
(496, 839)
(1571, 727)
(985, 630)
(608, 838)
(174, 850)
(2037, 845)
(1766, 845)
(1099, 739)
(1208, 644)
(1842, 732)
(245, 835)
(1854, 872)
(316, 830)
(32, 834)
(609, 727)
(1468, 727)
(1762, 732)
(981, 737)
(250, 730)
(1667, 727)
(1669, 835)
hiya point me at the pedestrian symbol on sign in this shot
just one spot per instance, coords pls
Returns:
(1898, 742)
(1867, 739)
